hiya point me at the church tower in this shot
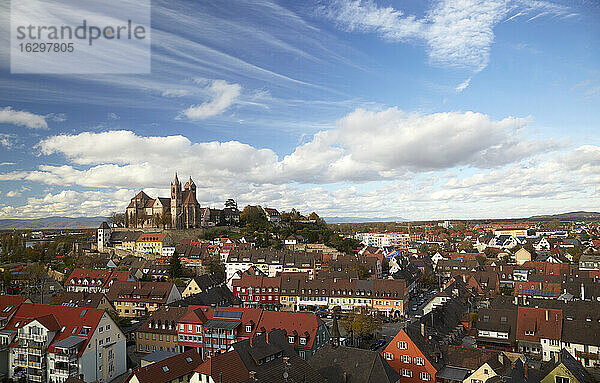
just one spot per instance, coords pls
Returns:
(176, 203)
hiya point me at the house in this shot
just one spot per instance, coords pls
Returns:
(136, 299)
(103, 236)
(226, 367)
(212, 330)
(497, 328)
(151, 243)
(564, 368)
(84, 300)
(344, 364)
(200, 284)
(522, 256)
(9, 304)
(159, 331)
(269, 358)
(412, 355)
(537, 324)
(95, 280)
(54, 343)
(472, 364)
(175, 369)
(272, 214)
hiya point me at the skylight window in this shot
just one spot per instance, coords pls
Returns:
(165, 368)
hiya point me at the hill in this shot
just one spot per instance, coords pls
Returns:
(571, 216)
(362, 219)
(51, 223)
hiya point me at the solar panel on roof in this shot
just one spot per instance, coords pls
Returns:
(227, 314)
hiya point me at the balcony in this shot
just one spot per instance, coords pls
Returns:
(586, 355)
(65, 357)
(36, 338)
(32, 364)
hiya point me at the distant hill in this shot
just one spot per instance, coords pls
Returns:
(362, 219)
(51, 223)
(571, 216)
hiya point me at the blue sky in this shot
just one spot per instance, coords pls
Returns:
(416, 109)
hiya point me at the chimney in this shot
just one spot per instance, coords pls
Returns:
(252, 375)
(423, 329)
(556, 357)
(251, 341)
(345, 377)
(582, 292)
(546, 315)
(267, 336)
(286, 360)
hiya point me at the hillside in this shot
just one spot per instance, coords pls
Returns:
(571, 216)
(51, 223)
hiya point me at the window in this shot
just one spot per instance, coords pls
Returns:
(248, 328)
(303, 340)
(388, 356)
(291, 339)
(529, 333)
(405, 358)
(407, 373)
(419, 361)
(561, 379)
(100, 329)
(425, 376)
(402, 345)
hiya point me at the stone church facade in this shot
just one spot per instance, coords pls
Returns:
(180, 211)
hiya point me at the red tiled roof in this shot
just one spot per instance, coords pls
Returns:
(168, 369)
(533, 319)
(10, 303)
(305, 324)
(225, 368)
(57, 317)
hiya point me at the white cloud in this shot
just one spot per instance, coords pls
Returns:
(457, 33)
(21, 118)
(7, 140)
(363, 146)
(113, 116)
(172, 93)
(463, 85)
(223, 96)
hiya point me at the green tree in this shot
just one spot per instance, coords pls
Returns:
(216, 267)
(175, 267)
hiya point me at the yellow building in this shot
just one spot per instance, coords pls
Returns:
(151, 243)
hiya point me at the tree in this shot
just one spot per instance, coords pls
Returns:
(467, 246)
(231, 204)
(216, 267)
(254, 217)
(164, 219)
(175, 267)
(117, 219)
(6, 280)
(361, 323)
(481, 259)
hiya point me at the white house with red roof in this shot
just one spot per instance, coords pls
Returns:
(95, 280)
(53, 343)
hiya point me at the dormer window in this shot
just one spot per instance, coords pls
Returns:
(248, 328)
(291, 339)
(303, 340)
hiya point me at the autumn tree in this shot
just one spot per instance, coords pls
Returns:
(362, 323)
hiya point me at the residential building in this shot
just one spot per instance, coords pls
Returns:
(412, 356)
(151, 243)
(84, 300)
(54, 343)
(137, 299)
(159, 331)
(103, 236)
(344, 364)
(200, 284)
(178, 368)
(95, 280)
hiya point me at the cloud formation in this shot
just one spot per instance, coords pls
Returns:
(223, 96)
(22, 118)
(457, 33)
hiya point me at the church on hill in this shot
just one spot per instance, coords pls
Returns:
(181, 211)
